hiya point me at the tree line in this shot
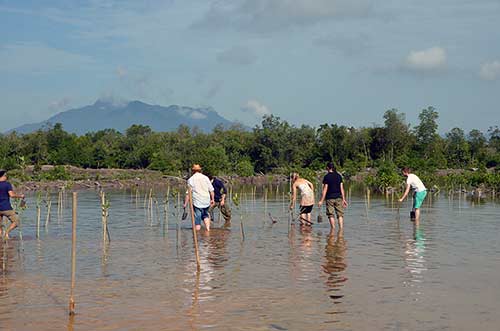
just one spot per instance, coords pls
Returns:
(274, 146)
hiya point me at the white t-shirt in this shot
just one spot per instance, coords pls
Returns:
(415, 183)
(201, 187)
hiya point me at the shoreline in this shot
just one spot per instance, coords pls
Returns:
(88, 179)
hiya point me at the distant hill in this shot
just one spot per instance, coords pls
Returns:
(108, 115)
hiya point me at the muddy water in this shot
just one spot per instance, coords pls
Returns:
(381, 273)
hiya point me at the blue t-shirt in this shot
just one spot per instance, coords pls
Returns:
(219, 189)
(5, 187)
(333, 180)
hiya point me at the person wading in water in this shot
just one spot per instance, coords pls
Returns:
(333, 192)
(306, 189)
(7, 192)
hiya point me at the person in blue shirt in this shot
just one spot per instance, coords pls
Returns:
(220, 193)
(333, 193)
(7, 192)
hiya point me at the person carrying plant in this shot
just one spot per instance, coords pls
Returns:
(333, 193)
(7, 192)
(412, 181)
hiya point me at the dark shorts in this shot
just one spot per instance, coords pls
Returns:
(200, 214)
(334, 206)
(306, 209)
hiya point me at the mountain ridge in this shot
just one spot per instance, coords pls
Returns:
(105, 114)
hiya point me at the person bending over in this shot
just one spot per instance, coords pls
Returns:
(306, 189)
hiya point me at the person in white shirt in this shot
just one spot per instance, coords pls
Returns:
(203, 196)
(412, 181)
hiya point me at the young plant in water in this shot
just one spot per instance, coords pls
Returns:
(236, 201)
(19, 207)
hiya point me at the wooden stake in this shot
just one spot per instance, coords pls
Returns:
(73, 255)
(49, 205)
(195, 235)
(38, 216)
(241, 228)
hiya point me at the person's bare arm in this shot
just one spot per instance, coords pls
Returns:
(407, 190)
(212, 199)
(14, 195)
(323, 194)
(294, 196)
(186, 199)
(344, 201)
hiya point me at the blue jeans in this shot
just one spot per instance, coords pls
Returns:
(200, 214)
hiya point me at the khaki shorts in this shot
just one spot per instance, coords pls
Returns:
(334, 206)
(11, 215)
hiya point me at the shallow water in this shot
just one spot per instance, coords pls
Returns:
(381, 273)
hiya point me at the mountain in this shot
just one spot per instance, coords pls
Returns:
(108, 115)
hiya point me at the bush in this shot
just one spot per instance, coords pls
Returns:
(57, 173)
(244, 168)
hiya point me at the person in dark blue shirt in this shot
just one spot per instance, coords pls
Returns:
(333, 193)
(7, 192)
(220, 193)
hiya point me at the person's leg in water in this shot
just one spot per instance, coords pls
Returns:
(211, 210)
(305, 215)
(226, 212)
(330, 210)
(341, 221)
(206, 218)
(14, 219)
(417, 203)
(197, 218)
(339, 212)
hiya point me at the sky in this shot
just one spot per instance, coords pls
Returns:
(305, 61)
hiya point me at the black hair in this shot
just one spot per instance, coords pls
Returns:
(330, 166)
(2, 172)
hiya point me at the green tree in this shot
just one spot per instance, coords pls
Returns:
(429, 143)
(477, 143)
(457, 148)
(397, 132)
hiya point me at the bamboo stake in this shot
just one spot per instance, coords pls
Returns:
(136, 197)
(105, 214)
(38, 212)
(241, 228)
(195, 235)
(49, 205)
(73, 255)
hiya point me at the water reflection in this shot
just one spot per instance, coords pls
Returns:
(335, 266)
(283, 276)
(415, 257)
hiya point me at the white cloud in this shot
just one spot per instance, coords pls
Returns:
(433, 58)
(490, 70)
(196, 115)
(255, 108)
(39, 58)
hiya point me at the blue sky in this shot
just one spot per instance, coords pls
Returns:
(306, 61)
